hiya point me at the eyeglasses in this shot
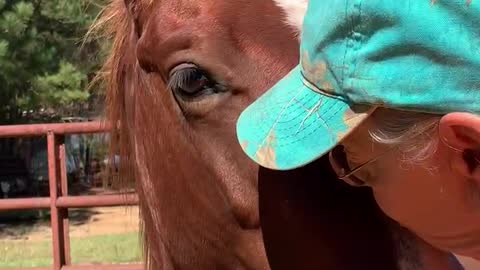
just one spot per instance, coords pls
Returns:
(338, 160)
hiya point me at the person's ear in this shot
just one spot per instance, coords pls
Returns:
(461, 132)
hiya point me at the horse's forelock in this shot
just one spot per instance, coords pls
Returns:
(114, 25)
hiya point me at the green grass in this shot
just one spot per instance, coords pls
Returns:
(105, 249)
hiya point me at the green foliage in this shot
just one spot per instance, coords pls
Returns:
(63, 87)
(41, 64)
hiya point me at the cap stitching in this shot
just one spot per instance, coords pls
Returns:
(308, 125)
(314, 130)
(266, 130)
(272, 127)
(353, 57)
(283, 103)
(311, 132)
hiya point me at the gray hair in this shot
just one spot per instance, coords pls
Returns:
(412, 132)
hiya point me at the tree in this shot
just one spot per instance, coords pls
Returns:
(42, 69)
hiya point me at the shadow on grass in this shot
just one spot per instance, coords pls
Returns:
(18, 224)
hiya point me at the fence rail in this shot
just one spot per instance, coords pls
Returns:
(59, 201)
(89, 267)
(35, 130)
(69, 202)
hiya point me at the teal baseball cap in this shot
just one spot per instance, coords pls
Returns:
(359, 55)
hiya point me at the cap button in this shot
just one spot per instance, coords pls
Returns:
(357, 36)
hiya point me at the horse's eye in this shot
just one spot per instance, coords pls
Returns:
(195, 91)
(189, 82)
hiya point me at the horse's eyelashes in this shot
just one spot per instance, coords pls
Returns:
(190, 82)
(194, 90)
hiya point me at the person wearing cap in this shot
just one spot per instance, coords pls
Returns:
(390, 90)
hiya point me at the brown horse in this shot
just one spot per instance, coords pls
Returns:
(179, 74)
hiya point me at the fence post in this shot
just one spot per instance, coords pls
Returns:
(56, 217)
(63, 212)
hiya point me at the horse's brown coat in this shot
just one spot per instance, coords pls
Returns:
(200, 206)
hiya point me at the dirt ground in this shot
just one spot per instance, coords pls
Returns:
(83, 223)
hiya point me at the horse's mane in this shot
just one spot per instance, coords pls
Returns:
(113, 25)
(149, 129)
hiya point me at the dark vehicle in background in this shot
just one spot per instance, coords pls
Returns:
(25, 172)
(24, 163)
(38, 168)
(14, 178)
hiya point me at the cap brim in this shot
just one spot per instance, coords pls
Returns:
(291, 125)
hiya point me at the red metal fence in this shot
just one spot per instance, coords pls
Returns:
(59, 202)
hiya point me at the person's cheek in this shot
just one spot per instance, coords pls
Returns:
(393, 197)
(387, 201)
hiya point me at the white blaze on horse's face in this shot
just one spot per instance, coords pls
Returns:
(295, 12)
